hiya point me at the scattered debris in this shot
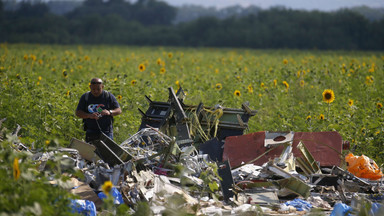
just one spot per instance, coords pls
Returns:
(196, 159)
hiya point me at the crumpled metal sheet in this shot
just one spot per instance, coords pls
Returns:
(324, 146)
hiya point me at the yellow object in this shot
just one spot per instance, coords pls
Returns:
(363, 167)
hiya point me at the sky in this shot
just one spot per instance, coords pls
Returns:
(323, 5)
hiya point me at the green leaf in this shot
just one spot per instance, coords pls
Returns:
(213, 186)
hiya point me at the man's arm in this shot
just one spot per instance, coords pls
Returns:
(115, 112)
(114, 104)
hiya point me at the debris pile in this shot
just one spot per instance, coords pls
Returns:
(196, 160)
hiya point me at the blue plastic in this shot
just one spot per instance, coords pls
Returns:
(376, 209)
(84, 207)
(341, 209)
(299, 204)
(117, 197)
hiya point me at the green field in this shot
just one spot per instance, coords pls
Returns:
(41, 85)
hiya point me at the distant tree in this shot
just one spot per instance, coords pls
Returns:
(28, 9)
(153, 12)
(147, 12)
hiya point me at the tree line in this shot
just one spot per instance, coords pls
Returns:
(150, 22)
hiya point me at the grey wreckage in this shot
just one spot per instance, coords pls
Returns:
(201, 156)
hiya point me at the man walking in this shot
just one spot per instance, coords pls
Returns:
(97, 108)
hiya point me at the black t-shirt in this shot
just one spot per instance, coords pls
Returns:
(96, 104)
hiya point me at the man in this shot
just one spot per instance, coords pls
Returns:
(97, 108)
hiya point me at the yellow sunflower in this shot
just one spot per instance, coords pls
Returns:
(321, 117)
(16, 169)
(350, 102)
(141, 67)
(250, 88)
(218, 86)
(328, 96)
(162, 70)
(286, 84)
(133, 82)
(308, 118)
(274, 82)
(379, 105)
(302, 83)
(107, 187)
(369, 80)
(237, 93)
(119, 97)
(158, 61)
(285, 61)
(65, 74)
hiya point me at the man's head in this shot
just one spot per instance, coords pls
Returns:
(96, 87)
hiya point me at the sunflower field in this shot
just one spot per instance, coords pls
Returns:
(291, 90)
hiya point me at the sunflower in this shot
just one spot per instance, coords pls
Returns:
(308, 118)
(141, 67)
(250, 88)
(302, 83)
(285, 61)
(379, 105)
(107, 187)
(65, 74)
(133, 82)
(286, 84)
(350, 102)
(119, 97)
(16, 169)
(158, 61)
(170, 55)
(328, 96)
(33, 57)
(218, 86)
(68, 93)
(262, 85)
(162, 70)
(369, 80)
(274, 82)
(237, 93)
(321, 117)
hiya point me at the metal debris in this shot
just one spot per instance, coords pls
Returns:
(181, 152)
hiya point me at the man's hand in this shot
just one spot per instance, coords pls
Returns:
(94, 115)
(105, 112)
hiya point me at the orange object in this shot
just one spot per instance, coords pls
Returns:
(363, 167)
